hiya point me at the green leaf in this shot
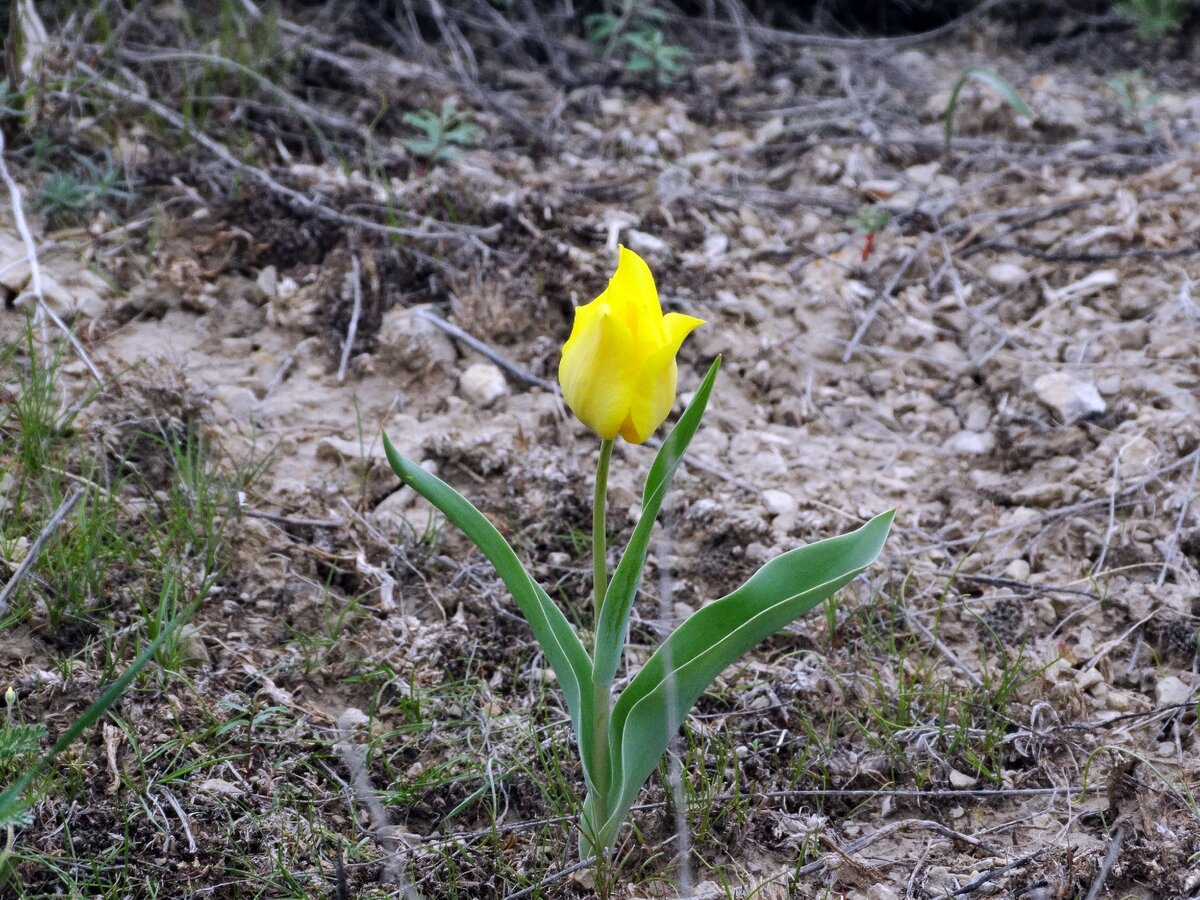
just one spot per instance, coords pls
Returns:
(19, 739)
(553, 632)
(654, 705)
(988, 77)
(600, 26)
(618, 600)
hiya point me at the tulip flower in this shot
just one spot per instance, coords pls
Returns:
(618, 369)
(618, 376)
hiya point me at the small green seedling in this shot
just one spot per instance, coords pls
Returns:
(67, 198)
(990, 78)
(1137, 97)
(1154, 19)
(634, 27)
(869, 221)
(650, 53)
(445, 132)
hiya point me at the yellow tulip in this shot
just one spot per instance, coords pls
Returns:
(618, 368)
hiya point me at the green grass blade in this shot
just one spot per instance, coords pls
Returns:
(618, 601)
(11, 798)
(990, 78)
(553, 632)
(651, 709)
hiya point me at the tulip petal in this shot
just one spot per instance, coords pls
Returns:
(634, 299)
(654, 391)
(598, 369)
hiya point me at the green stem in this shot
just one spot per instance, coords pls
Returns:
(599, 546)
(602, 691)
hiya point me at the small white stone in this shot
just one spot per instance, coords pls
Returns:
(220, 786)
(1006, 274)
(192, 648)
(970, 443)
(1017, 570)
(716, 246)
(881, 188)
(268, 282)
(961, 780)
(779, 503)
(1072, 400)
(1171, 691)
(482, 384)
(640, 242)
(922, 174)
(1088, 678)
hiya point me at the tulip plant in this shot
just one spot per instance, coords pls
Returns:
(618, 375)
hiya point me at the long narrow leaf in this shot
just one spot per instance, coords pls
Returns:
(550, 627)
(988, 77)
(651, 709)
(618, 601)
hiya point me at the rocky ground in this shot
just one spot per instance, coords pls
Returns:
(1004, 706)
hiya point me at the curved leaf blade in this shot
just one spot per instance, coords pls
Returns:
(993, 80)
(618, 600)
(558, 640)
(651, 709)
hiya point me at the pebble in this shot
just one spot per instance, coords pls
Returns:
(411, 342)
(268, 282)
(1017, 570)
(641, 242)
(779, 503)
(1072, 400)
(881, 188)
(961, 780)
(482, 384)
(1088, 678)
(220, 786)
(715, 246)
(970, 443)
(192, 649)
(1171, 691)
(1006, 274)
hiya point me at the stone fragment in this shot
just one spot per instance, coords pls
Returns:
(1045, 494)
(641, 242)
(961, 780)
(482, 384)
(1088, 679)
(411, 342)
(1071, 399)
(881, 188)
(1006, 274)
(268, 282)
(220, 786)
(716, 246)
(970, 443)
(1017, 570)
(192, 648)
(1171, 691)
(779, 503)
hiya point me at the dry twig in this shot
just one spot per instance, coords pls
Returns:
(60, 515)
